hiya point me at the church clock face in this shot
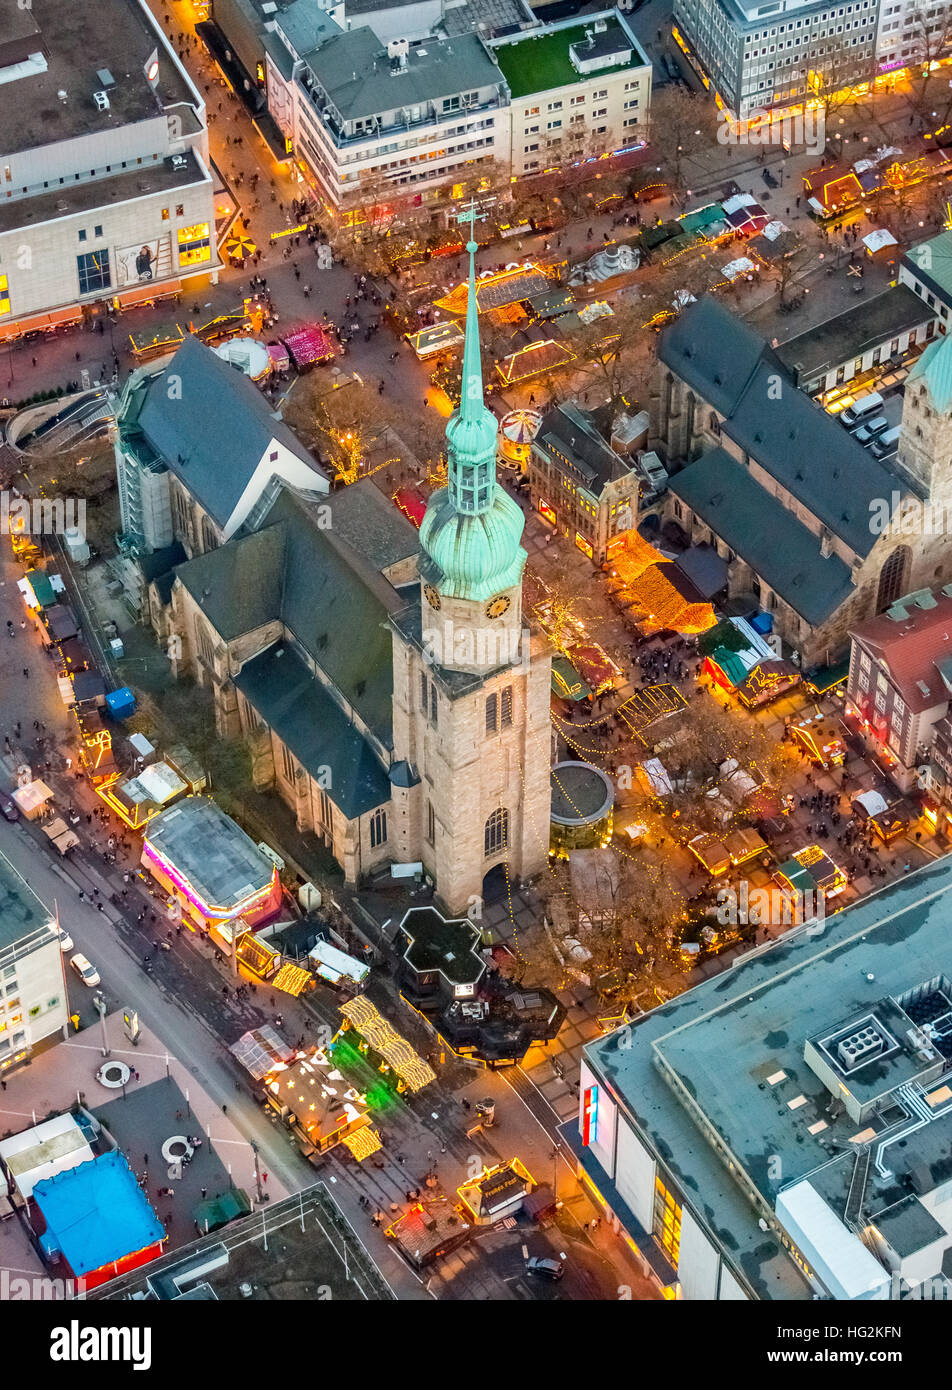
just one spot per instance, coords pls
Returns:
(497, 606)
(432, 596)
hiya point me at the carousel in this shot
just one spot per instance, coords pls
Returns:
(517, 430)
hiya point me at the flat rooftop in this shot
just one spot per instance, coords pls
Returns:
(79, 39)
(935, 267)
(21, 912)
(95, 194)
(361, 80)
(537, 62)
(437, 943)
(293, 1260)
(206, 847)
(854, 332)
(733, 1047)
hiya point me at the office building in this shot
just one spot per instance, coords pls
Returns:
(577, 89)
(760, 57)
(815, 1164)
(33, 1005)
(106, 195)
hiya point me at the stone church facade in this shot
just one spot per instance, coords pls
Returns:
(814, 529)
(383, 679)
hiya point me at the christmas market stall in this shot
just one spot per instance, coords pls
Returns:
(811, 870)
(319, 1106)
(495, 289)
(310, 346)
(436, 338)
(821, 738)
(383, 1046)
(533, 360)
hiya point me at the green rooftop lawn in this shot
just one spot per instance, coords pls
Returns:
(540, 65)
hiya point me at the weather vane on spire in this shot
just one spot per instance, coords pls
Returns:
(470, 215)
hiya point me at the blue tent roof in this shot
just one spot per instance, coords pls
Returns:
(96, 1213)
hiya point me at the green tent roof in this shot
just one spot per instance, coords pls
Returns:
(566, 681)
(731, 664)
(42, 588)
(797, 876)
(218, 1211)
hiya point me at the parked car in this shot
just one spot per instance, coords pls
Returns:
(545, 1269)
(65, 940)
(886, 444)
(8, 808)
(86, 971)
(867, 433)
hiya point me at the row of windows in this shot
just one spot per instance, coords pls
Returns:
(95, 271)
(499, 710)
(93, 173)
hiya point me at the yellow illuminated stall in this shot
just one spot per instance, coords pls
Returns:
(498, 1192)
(393, 1051)
(656, 601)
(319, 1106)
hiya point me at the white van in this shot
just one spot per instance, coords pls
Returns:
(886, 444)
(861, 409)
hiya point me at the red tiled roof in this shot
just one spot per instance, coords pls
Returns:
(911, 649)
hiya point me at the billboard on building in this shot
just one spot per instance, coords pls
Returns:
(136, 265)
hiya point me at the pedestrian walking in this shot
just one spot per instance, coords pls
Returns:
(26, 672)
(204, 1193)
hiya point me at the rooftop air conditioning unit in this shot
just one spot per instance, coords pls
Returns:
(102, 100)
(398, 48)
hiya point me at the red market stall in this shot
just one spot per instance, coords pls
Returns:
(412, 503)
(310, 345)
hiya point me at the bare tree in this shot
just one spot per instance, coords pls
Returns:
(927, 88)
(359, 432)
(611, 353)
(679, 123)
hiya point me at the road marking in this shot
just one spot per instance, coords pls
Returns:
(525, 1252)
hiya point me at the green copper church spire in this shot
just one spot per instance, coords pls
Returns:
(470, 534)
(471, 433)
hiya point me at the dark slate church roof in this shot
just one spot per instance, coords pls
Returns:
(305, 717)
(211, 427)
(806, 450)
(713, 351)
(812, 455)
(315, 566)
(756, 525)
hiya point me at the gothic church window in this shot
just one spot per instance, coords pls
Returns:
(496, 835)
(892, 577)
(378, 829)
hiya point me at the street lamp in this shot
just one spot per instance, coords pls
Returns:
(254, 1150)
(99, 1004)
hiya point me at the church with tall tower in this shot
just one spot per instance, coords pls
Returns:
(382, 678)
(471, 682)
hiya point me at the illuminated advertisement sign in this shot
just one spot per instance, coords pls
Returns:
(136, 265)
(590, 1116)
